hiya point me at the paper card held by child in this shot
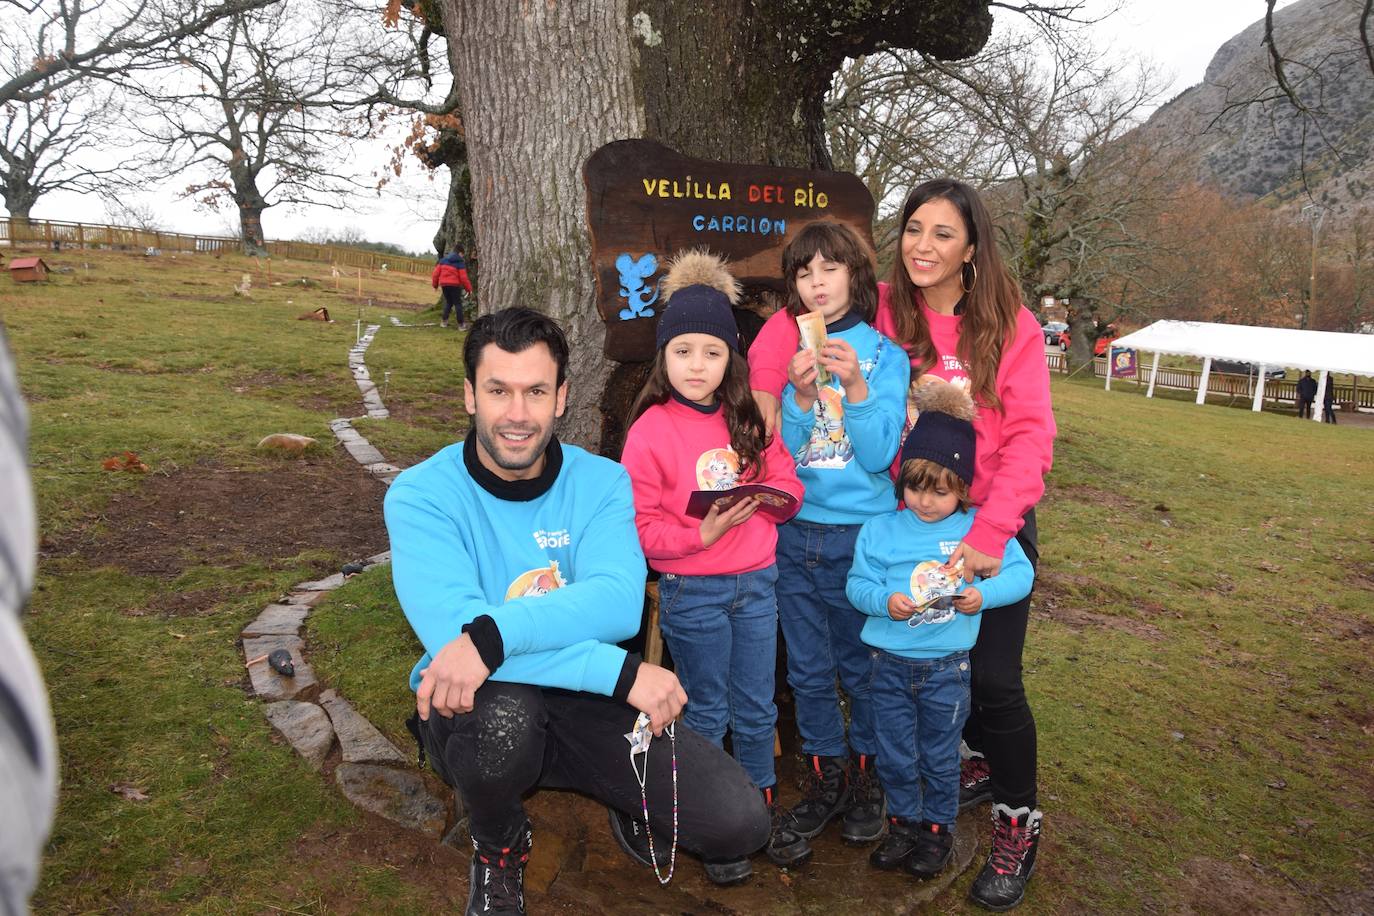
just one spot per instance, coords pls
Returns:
(774, 503)
(813, 336)
(933, 587)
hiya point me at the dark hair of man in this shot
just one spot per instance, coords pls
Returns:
(836, 243)
(742, 418)
(515, 330)
(923, 474)
(990, 310)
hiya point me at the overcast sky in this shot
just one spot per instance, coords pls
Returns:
(1179, 35)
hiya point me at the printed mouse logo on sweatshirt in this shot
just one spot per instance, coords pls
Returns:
(536, 582)
(931, 581)
(829, 445)
(718, 469)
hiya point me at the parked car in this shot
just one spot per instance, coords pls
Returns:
(1099, 347)
(1052, 330)
(1237, 368)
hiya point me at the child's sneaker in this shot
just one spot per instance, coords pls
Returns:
(824, 796)
(1015, 837)
(934, 846)
(497, 877)
(863, 822)
(975, 782)
(786, 847)
(443, 323)
(897, 846)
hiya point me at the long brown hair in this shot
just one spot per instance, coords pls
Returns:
(742, 418)
(990, 308)
(839, 243)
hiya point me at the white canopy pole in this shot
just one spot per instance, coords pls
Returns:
(1317, 409)
(1109, 367)
(1202, 382)
(1154, 370)
(1259, 389)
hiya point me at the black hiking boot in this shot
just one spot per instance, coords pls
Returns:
(786, 847)
(975, 782)
(934, 847)
(497, 876)
(1001, 884)
(864, 821)
(632, 836)
(825, 795)
(728, 872)
(898, 845)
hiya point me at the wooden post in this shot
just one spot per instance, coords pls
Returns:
(1109, 367)
(653, 636)
(360, 281)
(1259, 389)
(80, 236)
(1202, 380)
(1154, 370)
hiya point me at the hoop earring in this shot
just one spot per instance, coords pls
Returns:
(969, 288)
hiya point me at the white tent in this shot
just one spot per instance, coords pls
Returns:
(1267, 348)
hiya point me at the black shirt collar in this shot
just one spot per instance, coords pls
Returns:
(699, 408)
(846, 321)
(517, 491)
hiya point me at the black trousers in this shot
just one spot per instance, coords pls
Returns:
(1000, 723)
(518, 738)
(1328, 414)
(453, 300)
(1304, 410)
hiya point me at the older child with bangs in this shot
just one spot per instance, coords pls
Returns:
(696, 427)
(923, 624)
(843, 432)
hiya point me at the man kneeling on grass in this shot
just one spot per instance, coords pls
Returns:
(518, 566)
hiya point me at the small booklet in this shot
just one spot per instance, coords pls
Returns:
(774, 503)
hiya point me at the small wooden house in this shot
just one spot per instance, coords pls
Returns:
(28, 270)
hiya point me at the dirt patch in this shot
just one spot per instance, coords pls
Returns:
(207, 514)
(329, 397)
(1054, 600)
(197, 602)
(1086, 494)
(1235, 888)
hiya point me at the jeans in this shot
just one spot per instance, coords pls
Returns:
(920, 705)
(723, 633)
(822, 629)
(520, 737)
(453, 301)
(1000, 724)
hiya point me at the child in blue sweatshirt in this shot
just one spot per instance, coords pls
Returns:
(922, 624)
(843, 427)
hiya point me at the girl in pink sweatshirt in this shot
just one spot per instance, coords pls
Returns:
(957, 311)
(695, 427)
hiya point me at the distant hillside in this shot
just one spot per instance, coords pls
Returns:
(1255, 148)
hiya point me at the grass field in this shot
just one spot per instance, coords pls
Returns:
(1198, 657)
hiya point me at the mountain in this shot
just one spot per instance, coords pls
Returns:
(1240, 135)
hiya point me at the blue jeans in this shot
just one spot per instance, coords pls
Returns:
(822, 631)
(723, 633)
(922, 704)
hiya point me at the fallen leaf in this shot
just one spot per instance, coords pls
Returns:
(1277, 784)
(129, 791)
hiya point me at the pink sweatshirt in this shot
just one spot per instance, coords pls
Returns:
(1015, 445)
(672, 450)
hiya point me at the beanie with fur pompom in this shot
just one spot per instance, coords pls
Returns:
(943, 432)
(700, 291)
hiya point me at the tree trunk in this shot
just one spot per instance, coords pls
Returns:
(250, 223)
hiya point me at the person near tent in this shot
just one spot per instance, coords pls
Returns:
(1329, 401)
(1307, 393)
(451, 276)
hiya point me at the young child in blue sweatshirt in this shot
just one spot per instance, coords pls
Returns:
(922, 624)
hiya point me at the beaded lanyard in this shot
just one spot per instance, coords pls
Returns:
(642, 779)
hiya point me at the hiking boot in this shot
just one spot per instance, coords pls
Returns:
(726, 873)
(786, 847)
(497, 876)
(899, 844)
(975, 782)
(825, 794)
(934, 847)
(632, 836)
(443, 323)
(863, 822)
(1015, 836)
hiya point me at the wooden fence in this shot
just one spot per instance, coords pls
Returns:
(52, 236)
(1222, 384)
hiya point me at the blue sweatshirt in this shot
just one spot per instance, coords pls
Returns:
(843, 450)
(897, 552)
(562, 574)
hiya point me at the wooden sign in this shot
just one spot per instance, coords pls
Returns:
(646, 202)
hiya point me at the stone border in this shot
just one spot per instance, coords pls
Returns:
(373, 774)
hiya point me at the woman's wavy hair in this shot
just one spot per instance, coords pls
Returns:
(990, 307)
(838, 243)
(742, 418)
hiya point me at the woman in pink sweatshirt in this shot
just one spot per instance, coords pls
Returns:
(696, 428)
(956, 309)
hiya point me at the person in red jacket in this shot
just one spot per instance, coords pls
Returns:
(957, 311)
(451, 275)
